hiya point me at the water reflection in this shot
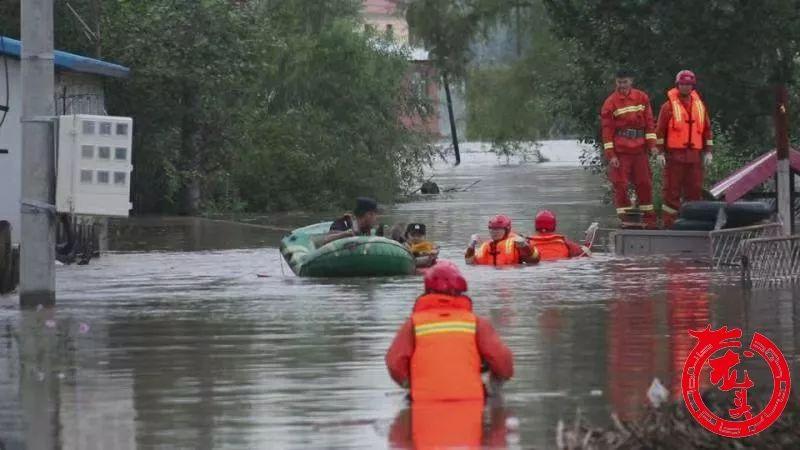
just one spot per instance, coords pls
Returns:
(192, 350)
(463, 425)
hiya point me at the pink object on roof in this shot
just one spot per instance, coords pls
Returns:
(380, 6)
(753, 174)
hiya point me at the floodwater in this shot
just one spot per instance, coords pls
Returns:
(173, 341)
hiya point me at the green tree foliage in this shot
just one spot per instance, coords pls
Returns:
(256, 105)
(738, 49)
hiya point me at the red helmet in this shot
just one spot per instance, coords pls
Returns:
(685, 77)
(545, 221)
(500, 221)
(445, 277)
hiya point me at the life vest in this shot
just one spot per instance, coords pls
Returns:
(686, 127)
(550, 246)
(446, 363)
(500, 253)
(423, 247)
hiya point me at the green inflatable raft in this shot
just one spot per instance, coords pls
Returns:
(360, 256)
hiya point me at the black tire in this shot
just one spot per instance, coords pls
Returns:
(693, 225)
(742, 214)
(701, 210)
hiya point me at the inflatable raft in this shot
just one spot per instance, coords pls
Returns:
(360, 256)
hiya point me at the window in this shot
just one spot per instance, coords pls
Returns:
(104, 152)
(105, 128)
(88, 127)
(122, 129)
(102, 176)
(86, 176)
(87, 151)
(121, 153)
(120, 177)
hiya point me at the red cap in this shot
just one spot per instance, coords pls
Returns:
(445, 277)
(500, 221)
(545, 221)
(685, 77)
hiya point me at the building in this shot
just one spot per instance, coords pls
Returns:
(79, 89)
(384, 16)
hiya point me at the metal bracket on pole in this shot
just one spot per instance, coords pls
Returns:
(37, 207)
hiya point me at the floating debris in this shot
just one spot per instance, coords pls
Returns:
(83, 328)
(50, 323)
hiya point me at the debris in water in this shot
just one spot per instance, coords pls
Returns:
(39, 307)
(50, 323)
(657, 393)
(596, 392)
(83, 328)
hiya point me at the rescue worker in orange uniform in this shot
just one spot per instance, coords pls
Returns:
(506, 247)
(549, 245)
(628, 134)
(439, 353)
(685, 140)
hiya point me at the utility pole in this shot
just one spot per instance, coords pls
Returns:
(451, 115)
(37, 247)
(784, 174)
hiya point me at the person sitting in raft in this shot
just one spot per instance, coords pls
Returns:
(552, 246)
(424, 251)
(438, 352)
(506, 247)
(362, 222)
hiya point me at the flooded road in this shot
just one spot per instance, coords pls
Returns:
(174, 342)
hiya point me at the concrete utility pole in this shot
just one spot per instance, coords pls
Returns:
(784, 197)
(37, 246)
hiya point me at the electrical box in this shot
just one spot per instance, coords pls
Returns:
(94, 165)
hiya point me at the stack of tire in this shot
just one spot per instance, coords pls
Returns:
(702, 215)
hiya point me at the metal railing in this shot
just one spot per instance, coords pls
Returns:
(726, 244)
(768, 261)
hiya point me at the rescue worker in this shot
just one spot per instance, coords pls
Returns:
(684, 144)
(438, 352)
(506, 247)
(362, 222)
(552, 246)
(628, 134)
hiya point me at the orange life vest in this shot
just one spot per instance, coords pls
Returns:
(550, 246)
(500, 253)
(686, 127)
(446, 363)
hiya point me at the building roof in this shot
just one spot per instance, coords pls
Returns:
(752, 175)
(69, 61)
(380, 7)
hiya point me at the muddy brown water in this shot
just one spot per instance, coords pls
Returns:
(172, 341)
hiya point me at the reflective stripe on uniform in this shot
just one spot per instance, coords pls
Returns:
(608, 145)
(646, 208)
(445, 327)
(650, 136)
(709, 142)
(628, 109)
(668, 210)
(623, 210)
(660, 141)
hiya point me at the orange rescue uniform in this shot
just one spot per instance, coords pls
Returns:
(551, 246)
(684, 129)
(628, 132)
(503, 253)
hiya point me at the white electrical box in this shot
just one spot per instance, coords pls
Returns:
(94, 165)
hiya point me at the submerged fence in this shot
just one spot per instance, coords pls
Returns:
(768, 261)
(726, 244)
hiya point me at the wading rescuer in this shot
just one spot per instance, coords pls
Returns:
(684, 129)
(505, 248)
(439, 351)
(628, 134)
(550, 245)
